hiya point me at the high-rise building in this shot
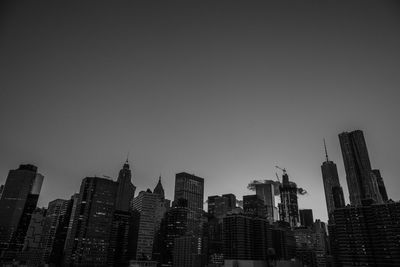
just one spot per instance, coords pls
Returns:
(32, 252)
(18, 202)
(173, 225)
(306, 217)
(254, 205)
(367, 235)
(191, 188)
(381, 184)
(332, 187)
(246, 237)
(144, 207)
(360, 180)
(55, 218)
(266, 191)
(126, 190)
(219, 206)
(187, 252)
(288, 208)
(89, 241)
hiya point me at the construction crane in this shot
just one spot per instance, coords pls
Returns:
(277, 177)
(282, 169)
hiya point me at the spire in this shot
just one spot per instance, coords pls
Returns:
(326, 151)
(159, 188)
(127, 158)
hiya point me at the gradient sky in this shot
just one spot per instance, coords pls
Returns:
(225, 90)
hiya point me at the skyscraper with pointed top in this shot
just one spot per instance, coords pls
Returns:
(126, 190)
(159, 190)
(360, 180)
(333, 191)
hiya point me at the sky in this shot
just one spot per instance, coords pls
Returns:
(225, 90)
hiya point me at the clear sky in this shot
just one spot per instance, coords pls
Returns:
(225, 90)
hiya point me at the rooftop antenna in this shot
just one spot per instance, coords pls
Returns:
(127, 157)
(326, 151)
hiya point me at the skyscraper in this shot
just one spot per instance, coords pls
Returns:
(18, 202)
(126, 190)
(360, 180)
(191, 188)
(381, 184)
(330, 178)
(266, 192)
(144, 208)
(218, 206)
(288, 208)
(89, 241)
(253, 205)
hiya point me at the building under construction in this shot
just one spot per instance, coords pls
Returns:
(288, 208)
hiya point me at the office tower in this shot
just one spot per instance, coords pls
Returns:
(288, 208)
(321, 242)
(254, 205)
(58, 217)
(191, 188)
(306, 218)
(126, 190)
(1, 190)
(55, 216)
(162, 204)
(367, 235)
(305, 242)
(266, 192)
(246, 238)
(381, 184)
(330, 178)
(187, 252)
(283, 240)
(32, 252)
(89, 242)
(219, 206)
(119, 249)
(143, 207)
(360, 180)
(173, 225)
(18, 202)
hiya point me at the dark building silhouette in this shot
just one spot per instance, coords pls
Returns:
(360, 179)
(283, 240)
(381, 184)
(218, 206)
(126, 190)
(306, 217)
(191, 188)
(246, 237)
(332, 188)
(253, 205)
(367, 235)
(288, 208)
(266, 191)
(18, 202)
(32, 252)
(173, 225)
(187, 252)
(89, 242)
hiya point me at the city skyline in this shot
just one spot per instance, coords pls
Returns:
(224, 92)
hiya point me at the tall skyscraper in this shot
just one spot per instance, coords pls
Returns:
(144, 209)
(191, 188)
(18, 202)
(330, 178)
(266, 192)
(381, 184)
(360, 180)
(89, 241)
(126, 190)
(288, 208)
